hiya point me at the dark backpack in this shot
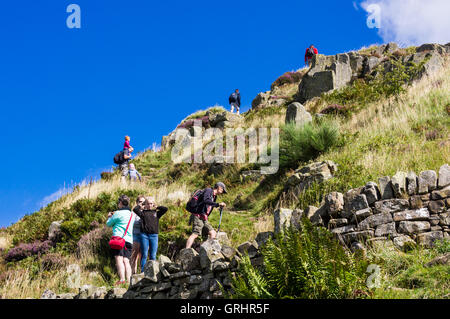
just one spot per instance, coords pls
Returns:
(233, 97)
(310, 53)
(119, 159)
(194, 201)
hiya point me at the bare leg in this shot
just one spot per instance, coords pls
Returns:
(120, 268)
(127, 266)
(191, 240)
(135, 255)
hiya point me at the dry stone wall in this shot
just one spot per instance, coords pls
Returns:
(407, 208)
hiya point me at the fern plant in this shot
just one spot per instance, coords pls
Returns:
(310, 264)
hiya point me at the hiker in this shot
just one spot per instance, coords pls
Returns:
(205, 204)
(235, 101)
(309, 54)
(126, 156)
(133, 174)
(136, 253)
(150, 215)
(126, 145)
(122, 222)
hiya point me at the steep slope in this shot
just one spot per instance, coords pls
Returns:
(396, 126)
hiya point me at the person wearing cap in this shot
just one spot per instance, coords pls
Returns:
(206, 203)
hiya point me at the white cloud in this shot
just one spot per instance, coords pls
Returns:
(54, 196)
(413, 22)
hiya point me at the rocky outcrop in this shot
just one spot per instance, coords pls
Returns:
(267, 99)
(219, 120)
(330, 73)
(394, 210)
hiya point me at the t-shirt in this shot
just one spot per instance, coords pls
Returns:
(126, 152)
(119, 222)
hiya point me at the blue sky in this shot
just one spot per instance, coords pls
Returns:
(69, 96)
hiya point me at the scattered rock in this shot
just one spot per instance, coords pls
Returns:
(297, 113)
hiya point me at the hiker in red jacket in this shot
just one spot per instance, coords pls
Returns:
(310, 52)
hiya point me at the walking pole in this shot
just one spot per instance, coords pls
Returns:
(220, 220)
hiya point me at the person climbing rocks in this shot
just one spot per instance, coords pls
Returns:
(235, 101)
(124, 164)
(309, 54)
(205, 204)
(150, 214)
(133, 174)
(122, 222)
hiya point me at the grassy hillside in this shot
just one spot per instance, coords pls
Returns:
(405, 131)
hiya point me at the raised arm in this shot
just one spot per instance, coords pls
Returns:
(161, 210)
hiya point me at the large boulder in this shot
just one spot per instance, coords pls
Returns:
(54, 231)
(327, 73)
(297, 114)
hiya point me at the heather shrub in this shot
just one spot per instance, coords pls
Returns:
(53, 261)
(306, 142)
(336, 109)
(387, 82)
(287, 78)
(26, 250)
(95, 243)
(310, 264)
(191, 122)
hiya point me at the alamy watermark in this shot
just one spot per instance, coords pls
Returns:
(73, 21)
(374, 280)
(374, 17)
(208, 146)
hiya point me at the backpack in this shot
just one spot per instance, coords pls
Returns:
(118, 158)
(310, 53)
(192, 204)
(233, 97)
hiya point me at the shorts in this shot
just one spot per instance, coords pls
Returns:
(198, 225)
(126, 253)
(233, 104)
